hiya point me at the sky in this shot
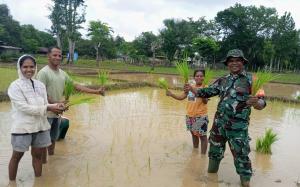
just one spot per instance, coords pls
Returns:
(129, 18)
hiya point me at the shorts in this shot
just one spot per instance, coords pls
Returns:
(54, 131)
(21, 142)
(197, 125)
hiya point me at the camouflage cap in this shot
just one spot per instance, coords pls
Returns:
(237, 53)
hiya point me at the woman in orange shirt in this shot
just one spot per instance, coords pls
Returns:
(196, 117)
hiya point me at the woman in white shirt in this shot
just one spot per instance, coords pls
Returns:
(29, 125)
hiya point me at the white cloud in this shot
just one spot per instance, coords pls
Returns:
(131, 17)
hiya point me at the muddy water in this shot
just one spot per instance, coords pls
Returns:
(135, 138)
(272, 89)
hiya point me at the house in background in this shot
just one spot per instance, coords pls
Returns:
(8, 50)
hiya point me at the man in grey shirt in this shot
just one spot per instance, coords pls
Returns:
(54, 79)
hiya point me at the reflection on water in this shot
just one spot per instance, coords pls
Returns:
(138, 138)
(273, 89)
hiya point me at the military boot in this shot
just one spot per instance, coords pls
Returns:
(245, 181)
(213, 166)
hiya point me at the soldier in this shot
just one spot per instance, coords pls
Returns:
(232, 116)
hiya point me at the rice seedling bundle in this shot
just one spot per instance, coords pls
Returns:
(209, 75)
(103, 77)
(183, 69)
(263, 144)
(79, 99)
(69, 89)
(259, 79)
(163, 83)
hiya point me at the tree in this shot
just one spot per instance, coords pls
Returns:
(207, 47)
(143, 42)
(56, 18)
(269, 53)
(100, 34)
(176, 36)
(246, 28)
(10, 28)
(33, 38)
(72, 15)
(286, 41)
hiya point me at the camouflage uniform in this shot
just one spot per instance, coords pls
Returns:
(231, 120)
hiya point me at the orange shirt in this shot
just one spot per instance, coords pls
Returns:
(195, 106)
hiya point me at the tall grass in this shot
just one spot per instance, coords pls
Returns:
(163, 83)
(183, 69)
(263, 144)
(79, 99)
(261, 78)
(103, 77)
(209, 75)
(69, 89)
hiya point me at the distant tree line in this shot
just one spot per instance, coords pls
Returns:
(267, 39)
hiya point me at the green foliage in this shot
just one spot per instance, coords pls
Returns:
(103, 77)
(7, 75)
(143, 43)
(263, 144)
(261, 78)
(163, 83)
(206, 46)
(183, 69)
(8, 57)
(209, 75)
(10, 28)
(68, 15)
(79, 99)
(69, 89)
(101, 38)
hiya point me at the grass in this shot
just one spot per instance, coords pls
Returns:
(183, 69)
(263, 144)
(103, 77)
(7, 75)
(163, 83)
(79, 99)
(69, 89)
(261, 78)
(209, 75)
(291, 77)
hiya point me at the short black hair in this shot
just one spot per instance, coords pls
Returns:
(50, 49)
(25, 57)
(199, 70)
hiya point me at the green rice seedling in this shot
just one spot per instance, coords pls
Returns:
(209, 75)
(87, 172)
(183, 69)
(149, 163)
(263, 144)
(79, 99)
(261, 78)
(69, 89)
(103, 77)
(163, 83)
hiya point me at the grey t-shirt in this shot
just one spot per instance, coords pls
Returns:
(55, 83)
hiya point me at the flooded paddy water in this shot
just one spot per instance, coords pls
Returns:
(288, 91)
(137, 137)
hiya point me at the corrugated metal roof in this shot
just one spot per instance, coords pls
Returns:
(10, 47)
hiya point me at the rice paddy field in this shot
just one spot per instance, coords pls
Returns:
(137, 137)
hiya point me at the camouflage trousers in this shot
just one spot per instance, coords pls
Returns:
(238, 141)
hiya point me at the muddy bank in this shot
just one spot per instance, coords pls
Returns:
(126, 85)
(117, 86)
(122, 84)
